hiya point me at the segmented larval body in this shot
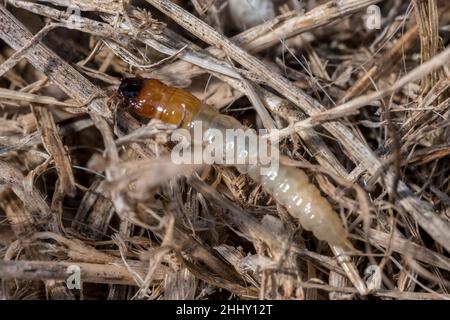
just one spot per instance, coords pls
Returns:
(289, 186)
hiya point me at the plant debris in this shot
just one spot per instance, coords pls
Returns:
(356, 93)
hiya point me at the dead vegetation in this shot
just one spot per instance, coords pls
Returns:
(365, 112)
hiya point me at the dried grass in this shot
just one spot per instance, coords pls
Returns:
(83, 182)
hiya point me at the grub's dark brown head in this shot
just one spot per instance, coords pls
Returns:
(130, 88)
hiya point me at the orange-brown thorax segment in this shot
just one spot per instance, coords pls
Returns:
(169, 104)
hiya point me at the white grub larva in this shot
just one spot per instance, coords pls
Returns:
(289, 186)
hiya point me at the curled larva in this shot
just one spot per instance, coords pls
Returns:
(289, 186)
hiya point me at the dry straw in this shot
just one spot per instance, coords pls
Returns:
(85, 183)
